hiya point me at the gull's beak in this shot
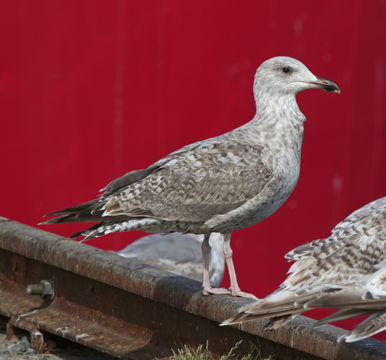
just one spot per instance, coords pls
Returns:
(325, 84)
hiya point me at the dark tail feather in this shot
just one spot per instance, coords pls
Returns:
(88, 231)
(74, 209)
(72, 218)
(86, 212)
(60, 219)
(76, 235)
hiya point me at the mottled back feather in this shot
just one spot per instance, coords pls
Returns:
(221, 184)
(211, 179)
(346, 270)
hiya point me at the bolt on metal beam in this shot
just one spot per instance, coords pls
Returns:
(45, 289)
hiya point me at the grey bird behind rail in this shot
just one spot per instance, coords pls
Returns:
(221, 184)
(179, 253)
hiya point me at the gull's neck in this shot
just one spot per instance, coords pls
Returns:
(278, 120)
(277, 109)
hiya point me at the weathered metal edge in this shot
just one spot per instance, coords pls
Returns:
(181, 293)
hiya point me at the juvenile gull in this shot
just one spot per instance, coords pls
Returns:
(221, 184)
(345, 271)
(185, 257)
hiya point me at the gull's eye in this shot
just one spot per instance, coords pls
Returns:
(286, 69)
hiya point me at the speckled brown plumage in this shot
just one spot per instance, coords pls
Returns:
(346, 270)
(221, 184)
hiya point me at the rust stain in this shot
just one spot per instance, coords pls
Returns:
(36, 337)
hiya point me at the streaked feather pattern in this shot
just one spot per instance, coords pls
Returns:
(346, 271)
(221, 184)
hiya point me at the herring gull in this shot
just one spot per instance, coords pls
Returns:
(221, 184)
(185, 259)
(345, 271)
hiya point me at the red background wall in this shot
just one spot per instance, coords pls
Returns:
(92, 89)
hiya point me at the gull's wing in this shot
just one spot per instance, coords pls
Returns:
(374, 324)
(195, 185)
(346, 270)
(191, 184)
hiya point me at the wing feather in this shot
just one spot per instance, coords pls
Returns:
(346, 271)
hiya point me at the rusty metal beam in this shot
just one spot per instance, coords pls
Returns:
(134, 311)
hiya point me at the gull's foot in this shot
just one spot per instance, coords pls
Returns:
(243, 294)
(215, 291)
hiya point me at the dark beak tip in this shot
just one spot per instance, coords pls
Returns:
(329, 85)
(332, 88)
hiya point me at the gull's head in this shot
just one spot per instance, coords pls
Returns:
(283, 75)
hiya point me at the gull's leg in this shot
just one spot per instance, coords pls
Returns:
(235, 289)
(206, 287)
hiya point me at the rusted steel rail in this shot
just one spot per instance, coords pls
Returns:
(134, 311)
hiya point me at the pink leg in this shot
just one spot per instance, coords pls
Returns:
(234, 288)
(206, 287)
